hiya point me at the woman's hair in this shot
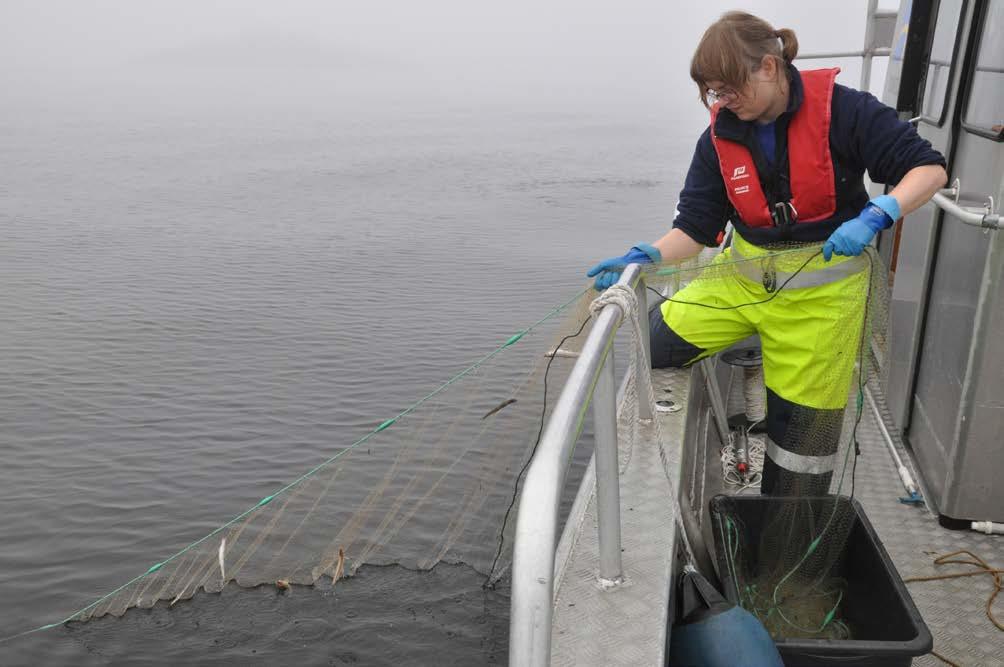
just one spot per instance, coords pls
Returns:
(733, 47)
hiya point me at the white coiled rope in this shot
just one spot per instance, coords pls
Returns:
(625, 298)
(755, 450)
(755, 398)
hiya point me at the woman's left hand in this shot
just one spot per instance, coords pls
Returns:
(851, 237)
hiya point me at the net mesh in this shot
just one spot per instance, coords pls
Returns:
(431, 486)
(436, 482)
(785, 562)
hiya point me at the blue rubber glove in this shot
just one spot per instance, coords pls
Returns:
(851, 237)
(608, 271)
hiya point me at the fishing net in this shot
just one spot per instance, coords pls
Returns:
(430, 484)
(784, 558)
(818, 326)
(437, 482)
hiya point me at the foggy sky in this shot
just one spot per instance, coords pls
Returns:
(631, 54)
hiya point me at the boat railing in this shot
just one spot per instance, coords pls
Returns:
(880, 26)
(591, 382)
(986, 216)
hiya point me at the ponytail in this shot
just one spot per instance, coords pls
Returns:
(733, 47)
(789, 44)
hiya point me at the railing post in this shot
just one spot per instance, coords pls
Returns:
(607, 474)
(644, 409)
(866, 61)
(715, 398)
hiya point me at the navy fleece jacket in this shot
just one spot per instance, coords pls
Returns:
(864, 135)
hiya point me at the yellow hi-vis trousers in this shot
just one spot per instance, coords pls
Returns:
(809, 316)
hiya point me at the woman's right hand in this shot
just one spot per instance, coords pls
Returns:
(608, 271)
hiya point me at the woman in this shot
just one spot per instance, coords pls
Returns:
(783, 159)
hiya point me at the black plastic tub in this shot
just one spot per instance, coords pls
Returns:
(888, 629)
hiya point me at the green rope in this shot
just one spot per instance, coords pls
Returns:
(267, 499)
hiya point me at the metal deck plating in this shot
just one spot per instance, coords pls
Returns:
(626, 624)
(954, 609)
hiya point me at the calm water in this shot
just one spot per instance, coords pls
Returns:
(196, 306)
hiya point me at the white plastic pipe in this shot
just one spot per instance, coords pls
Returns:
(904, 472)
(989, 527)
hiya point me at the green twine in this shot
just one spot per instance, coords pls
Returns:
(267, 499)
(512, 339)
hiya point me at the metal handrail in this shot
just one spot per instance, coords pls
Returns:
(967, 214)
(536, 535)
(860, 53)
(869, 51)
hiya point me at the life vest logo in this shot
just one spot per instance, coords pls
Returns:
(739, 173)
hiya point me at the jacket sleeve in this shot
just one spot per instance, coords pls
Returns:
(704, 207)
(871, 135)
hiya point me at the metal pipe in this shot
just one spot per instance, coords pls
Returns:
(688, 524)
(715, 397)
(831, 54)
(879, 51)
(536, 531)
(573, 521)
(968, 215)
(644, 408)
(608, 505)
(866, 63)
(904, 472)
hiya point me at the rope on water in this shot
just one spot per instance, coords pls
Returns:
(494, 577)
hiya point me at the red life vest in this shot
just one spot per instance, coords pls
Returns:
(810, 166)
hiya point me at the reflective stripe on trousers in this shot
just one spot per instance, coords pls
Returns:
(802, 445)
(764, 271)
(801, 463)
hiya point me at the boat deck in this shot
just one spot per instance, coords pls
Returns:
(627, 625)
(954, 609)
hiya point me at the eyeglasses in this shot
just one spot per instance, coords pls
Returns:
(725, 96)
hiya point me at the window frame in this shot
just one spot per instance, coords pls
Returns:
(979, 29)
(952, 68)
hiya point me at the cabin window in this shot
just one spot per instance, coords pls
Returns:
(944, 49)
(985, 106)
